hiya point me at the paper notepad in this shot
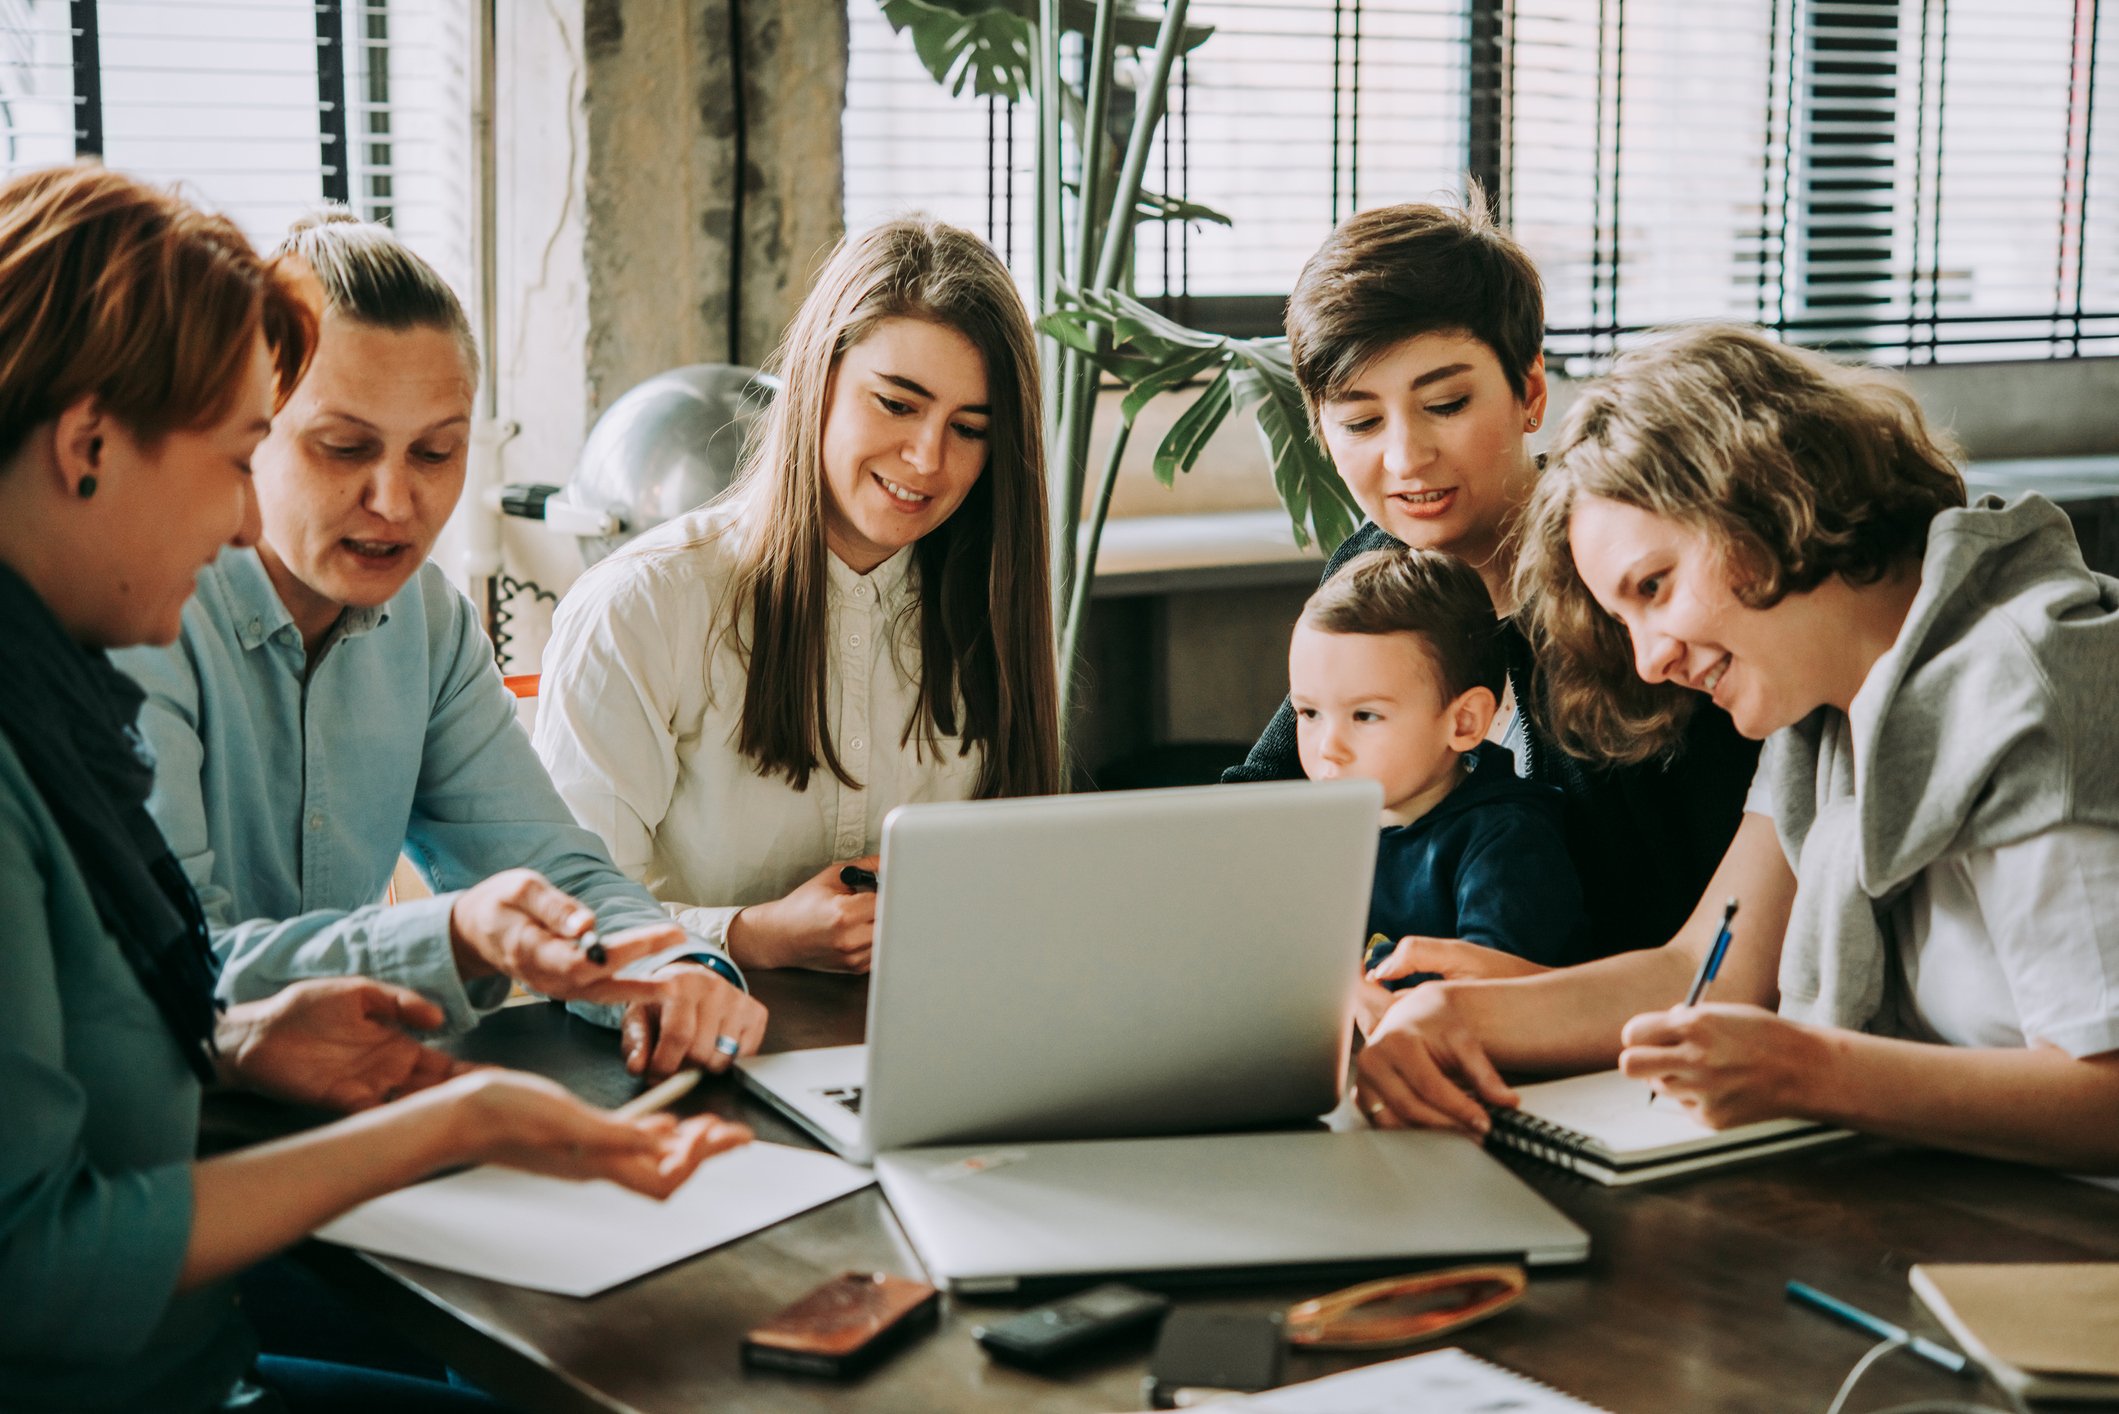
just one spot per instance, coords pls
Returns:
(2043, 1330)
(1440, 1382)
(580, 1238)
(1604, 1126)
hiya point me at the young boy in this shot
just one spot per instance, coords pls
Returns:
(1394, 675)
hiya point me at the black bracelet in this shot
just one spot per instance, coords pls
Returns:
(718, 965)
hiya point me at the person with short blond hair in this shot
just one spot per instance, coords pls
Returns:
(1926, 945)
(333, 704)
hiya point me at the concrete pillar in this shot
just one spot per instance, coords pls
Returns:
(705, 118)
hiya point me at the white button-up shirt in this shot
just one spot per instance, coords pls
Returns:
(638, 711)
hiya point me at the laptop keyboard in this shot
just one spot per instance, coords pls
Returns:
(848, 1096)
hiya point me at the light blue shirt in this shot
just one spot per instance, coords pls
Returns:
(288, 792)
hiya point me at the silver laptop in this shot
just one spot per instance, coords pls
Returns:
(1056, 978)
(1217, 1207)
(1096, 966)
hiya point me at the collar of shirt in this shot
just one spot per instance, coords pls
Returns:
(259, 614)
(891, 582)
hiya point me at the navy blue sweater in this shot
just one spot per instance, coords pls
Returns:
(1489, 865)
(1644, 839)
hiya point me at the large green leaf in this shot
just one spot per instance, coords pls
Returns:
(1074, 328)
(1134, 320)
(1152, 355)
(990, 46)
(1188, 436)
(983, 47)
(1077, 331)
(1175, 373)
(1088, 314)
(1136, 28)
(1317, 500)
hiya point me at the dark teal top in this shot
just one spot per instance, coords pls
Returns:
(101, 1125)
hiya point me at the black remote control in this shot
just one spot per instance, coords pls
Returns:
(1044, 1334)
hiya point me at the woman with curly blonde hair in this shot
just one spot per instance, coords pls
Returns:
(1925, 949)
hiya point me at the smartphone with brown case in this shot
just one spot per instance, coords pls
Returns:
(844, 1326)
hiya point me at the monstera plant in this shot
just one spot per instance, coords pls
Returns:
(1092, 327)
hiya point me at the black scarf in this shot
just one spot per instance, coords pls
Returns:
(70, 716)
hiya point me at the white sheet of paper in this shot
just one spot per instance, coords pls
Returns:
(580, 1238)
(1450, 1381)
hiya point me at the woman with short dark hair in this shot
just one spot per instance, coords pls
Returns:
(1416, 333)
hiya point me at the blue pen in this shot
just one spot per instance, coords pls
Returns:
(1882, 1329)
(1709, 965)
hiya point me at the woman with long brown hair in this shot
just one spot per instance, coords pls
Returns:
(736, 700)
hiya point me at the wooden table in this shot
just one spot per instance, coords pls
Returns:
(1679, 1308)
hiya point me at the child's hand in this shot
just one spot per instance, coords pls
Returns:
(1450, 958)
(1369, 1006)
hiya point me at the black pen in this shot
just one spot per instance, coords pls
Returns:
(861, 881)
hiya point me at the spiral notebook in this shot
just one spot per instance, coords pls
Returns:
(1448, 1381)
(1605, 1126)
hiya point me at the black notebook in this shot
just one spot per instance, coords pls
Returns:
(1604, 1126)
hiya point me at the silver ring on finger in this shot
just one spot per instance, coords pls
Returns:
(728, 1046)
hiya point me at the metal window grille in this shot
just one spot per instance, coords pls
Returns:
(1915, 180)
(262, 109)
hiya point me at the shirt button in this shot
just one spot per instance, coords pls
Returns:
(854, 639)
(256, 624)
(856, 743)
(860, 591)
(316, 819)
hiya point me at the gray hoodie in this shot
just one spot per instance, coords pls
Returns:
(1996, 718)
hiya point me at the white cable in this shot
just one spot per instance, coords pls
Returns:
(1925, 1406)
(1861, 1367)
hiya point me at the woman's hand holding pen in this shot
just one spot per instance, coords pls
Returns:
(518, 925)
(825, 923)
(1729, 1064)
(1424, 1068)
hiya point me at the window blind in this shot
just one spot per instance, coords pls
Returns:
(1912, 180)
(37, 119)
(1289, 118)
(262, 109)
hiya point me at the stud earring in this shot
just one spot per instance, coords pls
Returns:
(87, 487)
(1533, 425)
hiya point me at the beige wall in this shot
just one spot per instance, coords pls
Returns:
(714, 179)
